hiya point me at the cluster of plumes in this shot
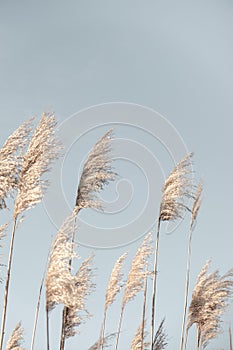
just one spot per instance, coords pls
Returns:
(209, 300)
(16, 339)
(138, 271)
(139, 341)
(97, 172)
(10, 160)
(176, 189)
(115, 282)
(61, 286)
(42, 150)
(160, 340)
(196, 204)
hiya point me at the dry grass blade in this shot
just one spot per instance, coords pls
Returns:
(177, 187)
(138, 271)
(138, 343)
(209, 301)
(160, 340)
(16, 339)
(42, 150)
(10, 160)
(97, 172)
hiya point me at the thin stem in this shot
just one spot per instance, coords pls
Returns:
(38, 307)
(144, 312)
(65, 309)
(198, 338)
(47, 327)
(119, 327)
(230, 337)
(186, 339)
(186, 290)
(101, 342)
(7, 283)
(154, 285)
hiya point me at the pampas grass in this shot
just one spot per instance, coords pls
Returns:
(160, 340)
(42, 150)
(138, 342)
(64, 288)
(25, 158)
(136, 277)
(195, 209)
(16, 339)
(114, 287)
(10, 161)
(210, 299)
(177, 188)
(97, 172)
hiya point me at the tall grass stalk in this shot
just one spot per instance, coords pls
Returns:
(96, 173)
(144, 313)
(38, 306)
(177, 188)
(5, 302)
(230, 337)
(195, 210)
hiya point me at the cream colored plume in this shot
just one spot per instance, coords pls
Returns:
(16, 339)
(42, 150)
(97, 172)
(176, 189)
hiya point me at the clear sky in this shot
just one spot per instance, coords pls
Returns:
(175, 58)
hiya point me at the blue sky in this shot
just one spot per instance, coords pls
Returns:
(172, 57)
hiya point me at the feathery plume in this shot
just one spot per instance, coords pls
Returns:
(84, 286)
(42, 150)
(10, 160)
(136, 277)
(196, 204)
(177, 187)
(58, 279)
(138, 343)
(97, 172)
(160, 340)
(16, 339)
(106, 342)
(114, 287)
(209, 301)
(138, 273)
(195, 209)
(2, 230)
(115, 281)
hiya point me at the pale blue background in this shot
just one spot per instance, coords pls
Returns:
(173, 56)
